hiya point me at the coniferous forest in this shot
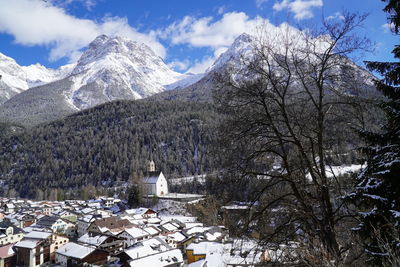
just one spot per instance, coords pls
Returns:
(107, 146)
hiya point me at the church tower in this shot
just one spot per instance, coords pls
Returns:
(151, 167)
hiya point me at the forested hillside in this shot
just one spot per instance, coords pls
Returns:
(107, 145)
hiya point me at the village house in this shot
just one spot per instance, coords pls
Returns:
(171, 226)
(111, 225)
(57, 242)
(77, 255)
(9, 208)
(155, 182)
(34, 249)
(170, 258)
(141, 213)
(47, 209)
(9, 233)
(111, 244)
(175, 240)
(25, 220)
(7, 256)
(143, 249)
(84, 222)
(198, 251)
(152, 230)
(56, 225)
(133, 235)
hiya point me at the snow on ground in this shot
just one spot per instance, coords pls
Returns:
(334, 171)
(344, 169)
(171, 208)
(200, 178)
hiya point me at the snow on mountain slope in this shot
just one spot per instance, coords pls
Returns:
(16, 79)
(111, 68)
(118, 68)
(243, 45)
(12, 74)
(38, 75)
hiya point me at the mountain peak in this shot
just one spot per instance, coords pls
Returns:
(118, 68)
(243, 38)
(242, 44)
(114, 49)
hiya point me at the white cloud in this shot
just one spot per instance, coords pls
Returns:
(204, 32)
(260, 3)
(88, 4)
(217, 35)
(179, 65)
(36, 22)
(302, 9)
(337, 15)
(202, 65)
(387, 27)
(221, 10)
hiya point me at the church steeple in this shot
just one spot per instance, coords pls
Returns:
(151, 167)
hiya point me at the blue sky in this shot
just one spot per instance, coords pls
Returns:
(188, 34)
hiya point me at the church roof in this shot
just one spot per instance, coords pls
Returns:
(152, 177)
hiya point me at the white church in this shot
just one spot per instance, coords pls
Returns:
(155, 182)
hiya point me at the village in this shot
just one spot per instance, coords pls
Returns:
(105, 232)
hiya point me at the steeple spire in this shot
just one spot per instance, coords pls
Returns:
(151, 167)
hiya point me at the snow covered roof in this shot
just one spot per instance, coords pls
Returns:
(139, 211)
(38, 235)
(193, 224)
(178, 236)
(152, 178)
(170, 226)
(139, 251)
(74, 250)
(213, 237)
(202, 247)
(154, 220)
(92, 240)
(165, 258)
(196, 229)
(152, 230)
(87, 210)
(27, 243)
(200, 263)
(147, 247)
(136, 232)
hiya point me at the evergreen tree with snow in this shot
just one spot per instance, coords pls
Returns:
(377, 192)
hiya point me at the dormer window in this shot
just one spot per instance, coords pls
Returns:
(10, 231)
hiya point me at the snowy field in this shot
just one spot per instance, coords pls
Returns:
(189, 179)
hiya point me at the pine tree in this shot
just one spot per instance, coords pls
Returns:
(377, 193)
(134, 197)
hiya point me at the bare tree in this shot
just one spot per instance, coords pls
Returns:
(289, 104)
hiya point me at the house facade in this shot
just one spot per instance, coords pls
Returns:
(9, 233)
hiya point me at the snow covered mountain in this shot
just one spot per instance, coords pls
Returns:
(111, 68)
(242, 45)
(16, 79)
(242, 49)
(120, 69)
